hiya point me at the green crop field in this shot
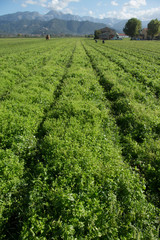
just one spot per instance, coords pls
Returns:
(79, 139)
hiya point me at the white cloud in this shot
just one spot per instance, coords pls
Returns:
(99, 4)
(23, 5)
(43, 3)
(90, 13)
(101, 16)
(114, 3)
(31, 2)
(132, 9)
(51, 4)
(68, 11)
(60, 4)
(140, 14)
(134, 4)
(149, 13)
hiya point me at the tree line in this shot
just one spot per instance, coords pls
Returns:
(134, 26)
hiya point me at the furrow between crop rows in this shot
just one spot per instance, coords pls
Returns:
(85, 191)
(147, 75)
(138, 126)
(24, 67)
(19, 142)
(79, 147)
(135, 53)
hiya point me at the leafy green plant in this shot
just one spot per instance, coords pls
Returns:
(79, 137)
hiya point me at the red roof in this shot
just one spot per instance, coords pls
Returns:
(122, 34)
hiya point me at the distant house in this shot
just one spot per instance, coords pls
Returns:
(122, 35)
(144, 34)
(105, 33)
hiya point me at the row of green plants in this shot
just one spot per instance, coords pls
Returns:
(67, 122)
(136, 112)
(84, 190)
(127, 48)
(21, 60)
(142, 46)
(31, 77)
(144, 72)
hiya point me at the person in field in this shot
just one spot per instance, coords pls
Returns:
(47, 37)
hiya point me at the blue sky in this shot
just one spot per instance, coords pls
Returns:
(122, 9)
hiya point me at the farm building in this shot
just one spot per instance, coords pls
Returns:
(144, 34)
(105, 33)
(122, 35)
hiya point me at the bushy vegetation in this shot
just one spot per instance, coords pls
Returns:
(132, 27)
(79, 141)
(154, 27)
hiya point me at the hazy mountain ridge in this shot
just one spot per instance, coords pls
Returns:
(15, 21)
(54, 26)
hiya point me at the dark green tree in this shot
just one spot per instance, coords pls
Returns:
(97, 33)
(132, 27)
(153, 27)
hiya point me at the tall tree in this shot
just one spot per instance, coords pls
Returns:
(97, 33)
(132, 27)
(153, 27)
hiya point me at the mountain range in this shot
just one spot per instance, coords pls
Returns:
(55, 22)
